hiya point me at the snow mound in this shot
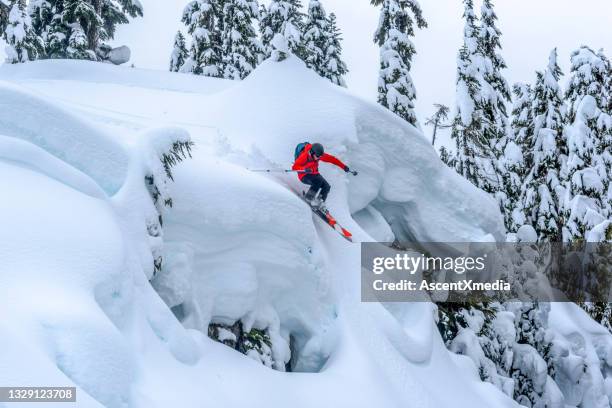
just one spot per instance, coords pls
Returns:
(70, 139)
(93, 72)
(400, 174)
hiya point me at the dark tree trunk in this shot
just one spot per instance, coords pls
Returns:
(93, 29)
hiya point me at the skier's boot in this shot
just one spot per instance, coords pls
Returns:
(309, 196)
(320, 205)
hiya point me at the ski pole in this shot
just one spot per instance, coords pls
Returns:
(277, 171)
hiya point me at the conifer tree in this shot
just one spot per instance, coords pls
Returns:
(335, 68)
(179, 53)
(522, 136)
(240, 44)
(510, 167)
(543, 191)
(474, 153)
(396, 90)
(22, 43)
(437, 120)
(79, 14)
(505, 155)
(495, 125)
(79, 28)
(285, 18)
(4, 11)
(604, 144)
(262, 54)
(447, 157)
(588, 77)
(316, 38)
(585, 190)
(205, 54)
(522, 120)
(532, 361)
(46, 16)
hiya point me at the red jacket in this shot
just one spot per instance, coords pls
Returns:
(305, 161)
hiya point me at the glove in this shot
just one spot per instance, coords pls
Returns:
(347, 170)
(307, 170)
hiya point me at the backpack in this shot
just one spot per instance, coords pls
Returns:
(299, 149)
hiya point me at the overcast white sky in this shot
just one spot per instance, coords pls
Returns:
(531, 28)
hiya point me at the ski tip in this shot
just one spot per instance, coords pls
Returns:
(347, 235)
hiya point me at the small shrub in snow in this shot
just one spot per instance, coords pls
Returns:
(170, 147)
(254, 343)
(179, 53)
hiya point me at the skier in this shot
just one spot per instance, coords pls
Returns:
(307, 158)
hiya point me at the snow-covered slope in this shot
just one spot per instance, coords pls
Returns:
(79, 238)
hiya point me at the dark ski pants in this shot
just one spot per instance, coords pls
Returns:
(317, 183)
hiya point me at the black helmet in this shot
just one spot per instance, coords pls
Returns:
(317, 149)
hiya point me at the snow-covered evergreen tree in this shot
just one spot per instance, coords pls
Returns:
(532, 360)
(588, 77)
(4, 10)
(506, 156)
(474, 152)
(522, 135)
(495, 125)
(179, 53)
(240, 43)
(522, 119)
(585, 189)
(601, 312)
(80, 14)
(335, 68)
(543, 191)
(447, 157)
(283, 17)
(78, 29)
(510, 166)
(510, 342)
(22, 43)
(280, 48)
(470, 329)
(396, 90)
(316, 37)
(604, 144)
(205, 54)
(322, 50)
(46, 17)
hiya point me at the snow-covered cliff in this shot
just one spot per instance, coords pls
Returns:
(84, 298)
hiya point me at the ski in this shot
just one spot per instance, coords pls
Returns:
(329, 220)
